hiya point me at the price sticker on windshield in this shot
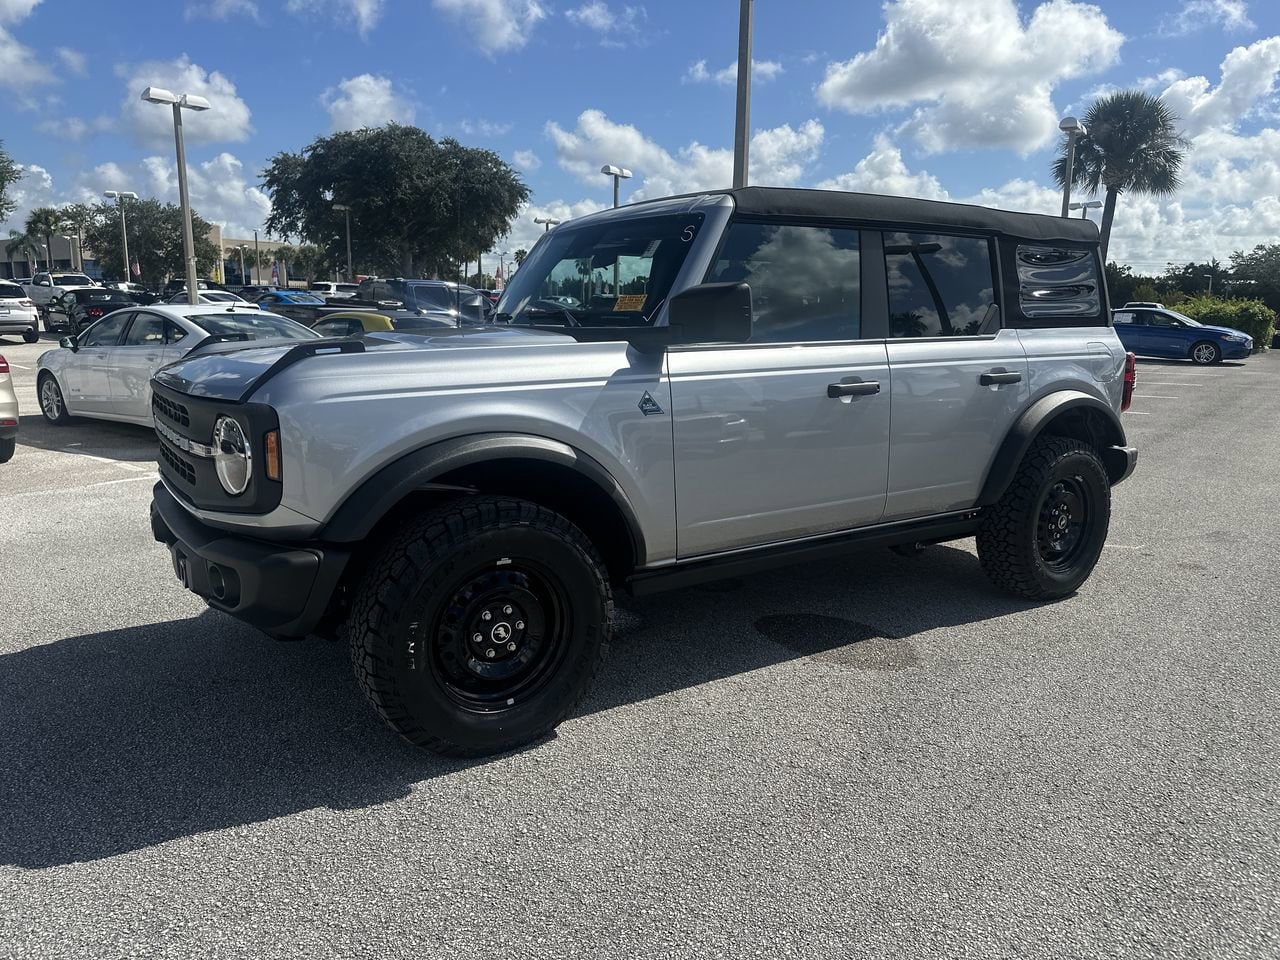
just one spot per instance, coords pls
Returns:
(632, 302)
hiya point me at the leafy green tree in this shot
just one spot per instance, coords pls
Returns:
(10, 173)
(1193, 279)
(305, 261)
(417, 204)
(44, 222)
(155, 241)
(1132, 146)
(1257, 273)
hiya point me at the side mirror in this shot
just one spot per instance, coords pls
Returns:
(69, 343)
(711, 313)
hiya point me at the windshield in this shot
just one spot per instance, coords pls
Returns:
(615, 272)
(256, 325)
(304, 298)
(72, 280)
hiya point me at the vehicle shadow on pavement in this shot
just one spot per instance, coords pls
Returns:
(1154, 362)
(96, 438)
(120, 740)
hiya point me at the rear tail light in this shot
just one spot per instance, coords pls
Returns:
(1130, 381)
(4, 365)
(272, 458)
(26, 303)
(94, 311)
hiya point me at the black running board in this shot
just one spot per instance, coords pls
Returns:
(741, 563)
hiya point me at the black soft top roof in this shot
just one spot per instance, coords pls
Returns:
(905, 211)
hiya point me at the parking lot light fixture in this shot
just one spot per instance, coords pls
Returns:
(549, 222)
(179, 103)
(1074, 129)
(345, 209)
(618, 173)
(1085, 207)
(120, 196)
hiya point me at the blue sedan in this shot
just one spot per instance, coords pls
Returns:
(1161, 332)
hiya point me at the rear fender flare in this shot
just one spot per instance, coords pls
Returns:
(1033, 422)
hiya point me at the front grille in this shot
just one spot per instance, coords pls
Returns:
(170, 410)
(179, 466)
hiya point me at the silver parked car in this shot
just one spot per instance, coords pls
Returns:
(105, 372)
(18, 312)
(676, 391)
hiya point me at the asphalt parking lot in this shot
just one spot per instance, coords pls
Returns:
(882, 757)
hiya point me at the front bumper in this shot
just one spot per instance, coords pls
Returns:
(281, 589)
(1236, 351)
(1120, 462)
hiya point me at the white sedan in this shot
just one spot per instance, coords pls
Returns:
(213, 296)
(105, 373)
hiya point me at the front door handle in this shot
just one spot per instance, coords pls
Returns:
(999, 376)
(859, 388)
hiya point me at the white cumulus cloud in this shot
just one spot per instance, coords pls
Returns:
(1197, 15)
(762, 71)
(617, 26)
(366, 101)
(221, 9)
(977, 73)
(495, 25)
(20, 68)
(526, 160)
(1248, 75)
(226, 119)
(365, 14)
(72, 60)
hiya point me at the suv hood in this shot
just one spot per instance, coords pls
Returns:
(234, 370)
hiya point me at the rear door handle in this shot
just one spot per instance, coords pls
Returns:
(860, 388)
(999, 376)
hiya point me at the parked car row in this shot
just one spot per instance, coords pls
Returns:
(1153, 330)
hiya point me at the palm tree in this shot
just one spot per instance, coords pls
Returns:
(21, 242)
(78, 216)
(45, 222)
(1132, 144)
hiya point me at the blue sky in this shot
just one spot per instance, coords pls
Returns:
(936, 98)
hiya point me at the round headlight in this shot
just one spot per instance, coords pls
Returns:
(232, 458)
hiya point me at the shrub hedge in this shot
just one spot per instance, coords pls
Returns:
(1249, 316)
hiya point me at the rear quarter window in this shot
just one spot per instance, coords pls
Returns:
(1059, 283)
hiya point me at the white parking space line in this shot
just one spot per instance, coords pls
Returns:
(1136, 413)
(1171, 383)
(1153, 396)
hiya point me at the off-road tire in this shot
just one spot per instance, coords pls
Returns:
(405, 600)
(7, 448)
(1009, 540)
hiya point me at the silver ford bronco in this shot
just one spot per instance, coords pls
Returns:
(673, 392)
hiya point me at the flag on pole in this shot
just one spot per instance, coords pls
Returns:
(134, 268)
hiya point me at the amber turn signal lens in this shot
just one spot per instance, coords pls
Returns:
(273, 455)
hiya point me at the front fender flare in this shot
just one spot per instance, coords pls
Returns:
(1032, 423)
(375, 497)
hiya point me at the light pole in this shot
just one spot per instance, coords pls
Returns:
(549, 222)
(346, 211)
(1085, 207)
(502, 270)
(1074, 129)
(120, 196)
(242, 247)
(618, 173)
(1209, 277)
(179, 103)
(742, 116)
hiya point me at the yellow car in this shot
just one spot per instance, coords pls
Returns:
(356, 323)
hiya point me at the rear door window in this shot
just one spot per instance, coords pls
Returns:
(940, 285)
(147, 330)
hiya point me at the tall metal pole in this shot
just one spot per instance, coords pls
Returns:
(188, 240)
(1071, 169)
(350, 273)
(242, 276)
(257, 261)
(124, 239)
(742, 124)
(615, 260)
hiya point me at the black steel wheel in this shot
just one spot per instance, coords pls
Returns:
(1044, 536)
(481, 626)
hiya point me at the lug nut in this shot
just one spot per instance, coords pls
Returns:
(519, 624)
(486, 615)
(489, 653)
(511, 647)
(477, 638)
(507, 608)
